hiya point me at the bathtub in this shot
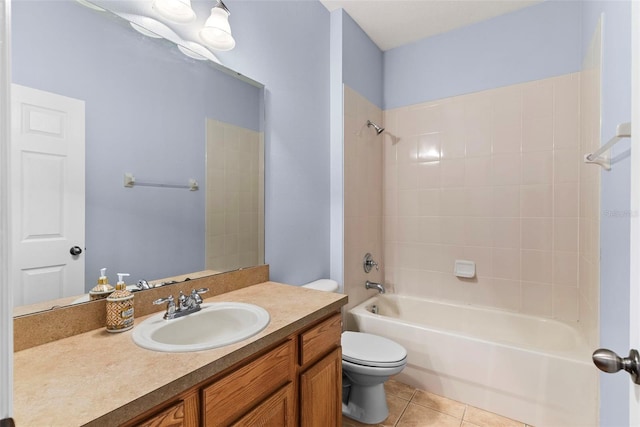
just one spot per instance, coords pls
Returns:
(534, 370)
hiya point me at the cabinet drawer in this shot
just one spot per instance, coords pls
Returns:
(227, 399)
(320, 339)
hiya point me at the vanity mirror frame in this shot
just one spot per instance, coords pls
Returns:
(6, 292)
(215, 68)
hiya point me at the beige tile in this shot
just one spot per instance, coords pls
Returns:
(452, 173)
(506, 201)
(419, 416)
(506, 232)
(506, 263)
(439, 403)
(537, 299)
(537, 233)
(507, 139)
(429, 147)
(483, 418)
(537, 167)
(536, 200)
(506, 169)
(536, 266)
(398, 389)
(477, 171)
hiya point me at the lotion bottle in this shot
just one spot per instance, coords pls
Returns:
(120, 307)
(103, 289)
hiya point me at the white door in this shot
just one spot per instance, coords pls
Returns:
(634, 286)
(47, 195)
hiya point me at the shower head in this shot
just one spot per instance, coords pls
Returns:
(378, 129)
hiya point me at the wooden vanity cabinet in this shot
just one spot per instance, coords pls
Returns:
(297, 382)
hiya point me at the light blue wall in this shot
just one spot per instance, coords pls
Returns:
(362, 61)
(533, 43)
(615, 202)
(285, 45)
(146, 106)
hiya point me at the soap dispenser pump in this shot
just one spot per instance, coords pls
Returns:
(103, 289)
(120, 307)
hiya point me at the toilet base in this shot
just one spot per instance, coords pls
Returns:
(366, 404)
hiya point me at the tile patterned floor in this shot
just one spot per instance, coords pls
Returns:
(410, 407)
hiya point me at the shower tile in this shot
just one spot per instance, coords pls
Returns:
(537, 167)
(536, 200)
(537, 99)
(535, 266)
(507, 106)
(566, 166)
(506, 232)
(483, 258)
(429, 147)
(453, 143)
(566, 111)
(452, 173)
(565, 268)
(429, 202)
(477, 171)
(408, 202)
(408, 177)
(537, 299)
(537, 233)
(453, 230)
(390, 176)
(479, 201)
(478, 232)
(565, 303)
(478, 139)
(507, 139)
(390, 203)
(506, 169)
(428, 174)
(567, 200)
(537, 133)
(429, 229)
(426, 118)
(407, 150)
(506, 201)
(506, 263)
(452, 201)
(408, 229)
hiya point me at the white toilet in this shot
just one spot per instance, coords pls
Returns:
(367, 362)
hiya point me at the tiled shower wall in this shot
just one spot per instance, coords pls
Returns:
(492, 177)
(363, 177)
(589, 234)
(234, 197)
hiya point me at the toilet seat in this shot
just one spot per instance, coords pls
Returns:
(372, 350)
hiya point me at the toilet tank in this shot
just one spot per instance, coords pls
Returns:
(326, 285)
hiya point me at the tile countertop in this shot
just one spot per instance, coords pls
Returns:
(100, 378)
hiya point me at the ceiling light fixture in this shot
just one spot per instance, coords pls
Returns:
(216, 32)
(179, 11)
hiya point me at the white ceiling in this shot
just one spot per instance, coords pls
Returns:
(392, 23)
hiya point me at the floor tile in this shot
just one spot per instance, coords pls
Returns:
(483, 418)
(401, 390)
(439, 403)
(420, 416)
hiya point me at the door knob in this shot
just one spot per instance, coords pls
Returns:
(75, 250)
(608, 361)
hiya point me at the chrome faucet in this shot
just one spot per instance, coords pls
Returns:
(187, 304)
(373, 285)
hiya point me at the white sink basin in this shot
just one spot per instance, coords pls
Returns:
(216, 325)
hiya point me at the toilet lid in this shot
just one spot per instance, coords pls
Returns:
(371, 350)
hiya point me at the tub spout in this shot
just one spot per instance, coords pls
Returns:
(373, 285)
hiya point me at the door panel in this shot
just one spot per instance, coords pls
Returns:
(47, 195)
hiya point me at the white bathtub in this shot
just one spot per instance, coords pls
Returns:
(537, 371)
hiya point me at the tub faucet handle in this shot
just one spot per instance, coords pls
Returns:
(368, 263)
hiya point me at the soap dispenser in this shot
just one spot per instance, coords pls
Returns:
(120, 307)
(103, 289)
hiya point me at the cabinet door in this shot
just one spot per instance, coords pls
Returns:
(321, 392)
(183, 413)
(277, 411)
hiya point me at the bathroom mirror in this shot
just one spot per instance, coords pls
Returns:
(185, 134)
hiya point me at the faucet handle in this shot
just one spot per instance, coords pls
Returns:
(168, 299)
(195, 294)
